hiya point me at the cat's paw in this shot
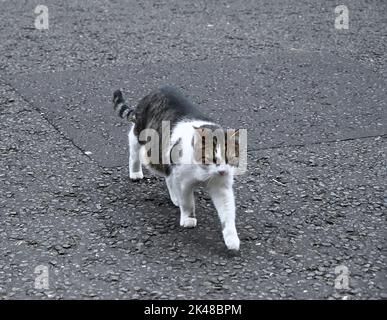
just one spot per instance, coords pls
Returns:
(136, 175)
(188, 222)
(232, 242)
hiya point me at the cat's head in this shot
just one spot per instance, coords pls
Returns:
(215, 149)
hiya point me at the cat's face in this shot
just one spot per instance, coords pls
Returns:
(216, 151)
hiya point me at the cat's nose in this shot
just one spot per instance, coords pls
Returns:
(222, 172)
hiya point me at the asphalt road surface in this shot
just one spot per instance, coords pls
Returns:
(311, 209)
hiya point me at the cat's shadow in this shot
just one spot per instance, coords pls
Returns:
(148, 199)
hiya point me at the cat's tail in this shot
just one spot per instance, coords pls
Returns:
(123, 110)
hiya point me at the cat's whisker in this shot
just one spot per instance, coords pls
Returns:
(209, 179)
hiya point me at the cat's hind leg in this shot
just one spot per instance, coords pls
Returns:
(135, 168)
(171, 189)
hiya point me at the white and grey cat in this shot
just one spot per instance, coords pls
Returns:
(196, 164)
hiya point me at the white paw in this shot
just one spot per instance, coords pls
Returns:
(136, 175)
(188, 222)
(232, 242)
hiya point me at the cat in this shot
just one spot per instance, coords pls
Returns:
(188, 156)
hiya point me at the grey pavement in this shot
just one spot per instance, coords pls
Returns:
(312, 98)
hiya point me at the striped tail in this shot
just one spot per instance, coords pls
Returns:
(122, 109)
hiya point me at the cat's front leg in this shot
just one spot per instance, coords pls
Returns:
(223, 199)
(187, 206)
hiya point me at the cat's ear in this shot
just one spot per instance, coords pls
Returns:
(201, 152)
(233, 133)
(232, 147)
(199, 136)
